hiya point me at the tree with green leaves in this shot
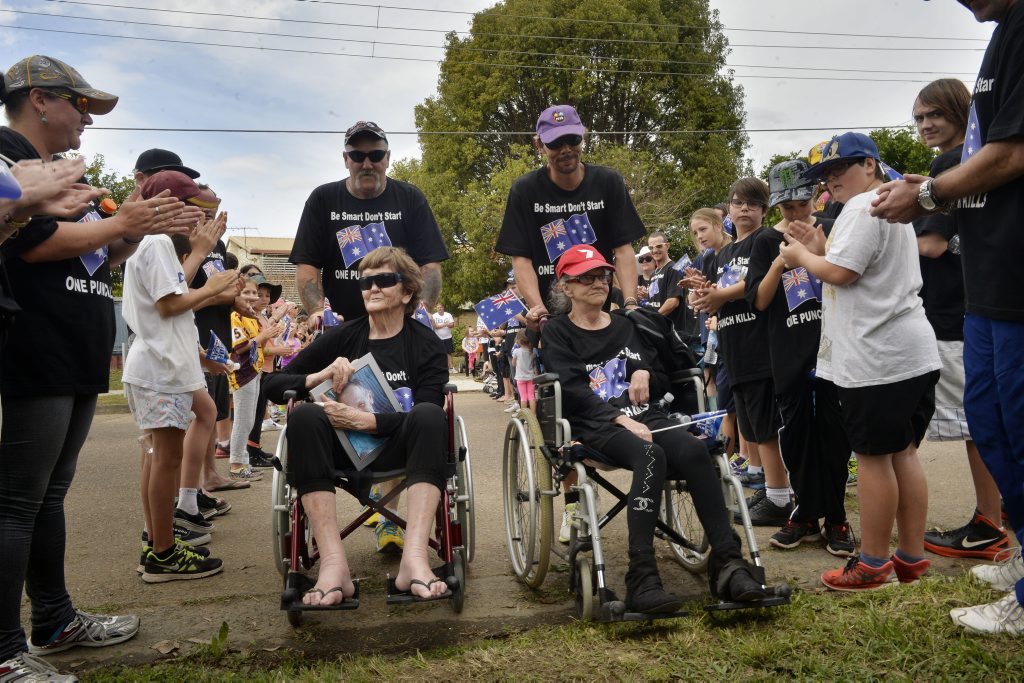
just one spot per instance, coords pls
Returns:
(902, 149)
(636, 70)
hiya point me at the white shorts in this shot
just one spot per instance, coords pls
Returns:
(949, 423)
(156, 410)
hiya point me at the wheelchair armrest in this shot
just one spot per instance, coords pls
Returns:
(290, 395)
(685, 374)
(546, 378)
(451, 388)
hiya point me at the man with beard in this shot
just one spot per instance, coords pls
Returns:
(345, 220)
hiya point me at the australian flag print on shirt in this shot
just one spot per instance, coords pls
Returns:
(561, 234)
(609, 380)
(94, 259)
(972, 141)
(800, 286)
(356, 241)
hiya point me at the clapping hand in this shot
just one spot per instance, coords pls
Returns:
(793, 252)
(809, 235)
(208, 232)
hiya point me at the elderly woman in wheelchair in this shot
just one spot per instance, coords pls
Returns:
(414, 362)
(611, 382)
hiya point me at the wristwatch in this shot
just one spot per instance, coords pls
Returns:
(927, 198)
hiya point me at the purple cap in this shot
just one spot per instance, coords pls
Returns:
(559, 120)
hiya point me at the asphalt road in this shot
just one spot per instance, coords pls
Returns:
(104, 515)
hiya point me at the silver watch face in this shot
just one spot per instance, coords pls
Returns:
(924, 196)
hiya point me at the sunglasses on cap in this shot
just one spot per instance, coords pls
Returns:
(79, 102)
(645, 259)
(382, 280)
(376, 156)
(590, 278)
(559, 143)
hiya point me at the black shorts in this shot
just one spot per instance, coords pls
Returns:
(449, 345)
(756, 412)
(217, 385)
(886, 418)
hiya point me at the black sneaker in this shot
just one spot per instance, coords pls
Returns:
(211, 507)
(979, 538)
(184, 563)
(793, 534)
(839, 537)
(196, 522)
(766, 513)
(751, 501)
(205, 552)
(192, 539)
(260, 458)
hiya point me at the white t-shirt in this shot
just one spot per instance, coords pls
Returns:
(525, 363)
(165, 354)
(874, 331)
(442, 320)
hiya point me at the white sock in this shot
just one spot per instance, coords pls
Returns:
(187, 501)
(224, 444)
(754, 469)
(779, 496)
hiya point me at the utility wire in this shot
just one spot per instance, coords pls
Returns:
(539, 67)
(512, 35)
(500, 133)
(478, 49)
(631, 23)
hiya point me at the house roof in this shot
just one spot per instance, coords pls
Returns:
(262, 245)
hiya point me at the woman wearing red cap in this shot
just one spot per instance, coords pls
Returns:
(611, 383)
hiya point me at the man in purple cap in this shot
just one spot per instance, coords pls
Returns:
(347, 219)
(563, 203)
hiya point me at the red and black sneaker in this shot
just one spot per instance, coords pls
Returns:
(857, 576)
(978, 538)
(908, 572)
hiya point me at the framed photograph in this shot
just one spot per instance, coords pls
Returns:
(367, 390)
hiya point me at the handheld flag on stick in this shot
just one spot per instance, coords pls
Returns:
(500, 308)
(330, 320)
(218, 353)
(10, 188)
(422, 316)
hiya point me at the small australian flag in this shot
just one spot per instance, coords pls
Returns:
(706, 425)
(404, 396)
(498, 309)
(609, 381)
(974, 140)
(422, 316)
(329, 320)
(216, 351)
(730, 275)
(561, 234)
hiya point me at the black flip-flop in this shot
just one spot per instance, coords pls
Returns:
(407, 597)
(294, 601)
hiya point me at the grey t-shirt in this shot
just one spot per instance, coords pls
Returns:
(874, 330)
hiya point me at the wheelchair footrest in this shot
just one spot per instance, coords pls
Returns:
(641, 616)
(297, 584)
(442, 573)
(777, 595)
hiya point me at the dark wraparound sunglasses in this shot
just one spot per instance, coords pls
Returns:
(590, 278)
(79, 102)
(376, 156)
(559, 143)
(645, 259)
(382, 280)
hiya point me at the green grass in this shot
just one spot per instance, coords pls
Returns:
(115, 380)
(900, 633)
(111, 400)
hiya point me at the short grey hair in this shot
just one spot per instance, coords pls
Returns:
(558, 301)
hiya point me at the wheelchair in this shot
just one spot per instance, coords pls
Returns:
(539, 454)
(454, 539)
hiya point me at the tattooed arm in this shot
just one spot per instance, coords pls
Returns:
(307, 281)
(431, 273)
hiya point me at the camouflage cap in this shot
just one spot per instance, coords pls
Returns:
(40, 71)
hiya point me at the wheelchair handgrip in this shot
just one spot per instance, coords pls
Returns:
(680, 375)
(290, 395)
(451, 388)
(546, 378)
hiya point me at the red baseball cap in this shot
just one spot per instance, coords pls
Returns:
(579, 259)
(181, 186)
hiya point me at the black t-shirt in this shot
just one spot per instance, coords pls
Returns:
(538, 210)
(61, 342)
(594, 367)
(793, 315)
(942, 289)
(512, 329)
(413, 361)
(216, 319)
(990, 224)
(337, 229)
(742, 330)
(666, 284)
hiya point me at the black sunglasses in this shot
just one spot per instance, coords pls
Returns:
(79, 102)
(559, 143)
(376, 156)
(590, 278)
(645, 259)
(382, 280)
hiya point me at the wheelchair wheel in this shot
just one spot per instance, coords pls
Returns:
(526, 473)
(459, 571)
(681, 517)
(280, 502)
(464, 502)
(584, 589)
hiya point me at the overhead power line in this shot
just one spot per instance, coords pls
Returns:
(500, 133)
(477, 49)
(498, 65)
(510, 35)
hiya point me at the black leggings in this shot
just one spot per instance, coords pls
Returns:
(675, 454)
(419, 447)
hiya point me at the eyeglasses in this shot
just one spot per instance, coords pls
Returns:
(591, 278)
(739, 203)
(838, 169)
(559, 143)
(645, 259)
(79, 102)
(382, 280)
(376, 156)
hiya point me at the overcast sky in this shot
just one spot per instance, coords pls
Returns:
(265, 178)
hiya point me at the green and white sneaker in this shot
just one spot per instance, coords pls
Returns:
(184, 563)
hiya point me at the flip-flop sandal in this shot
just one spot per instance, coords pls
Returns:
(324, 594)
(232, 485)
(400, 597)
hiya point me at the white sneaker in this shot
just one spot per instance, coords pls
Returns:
(1004, 575)
(1005, 615)
(512, 407)
(567, 521)
(271, 426)
(26, 668)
